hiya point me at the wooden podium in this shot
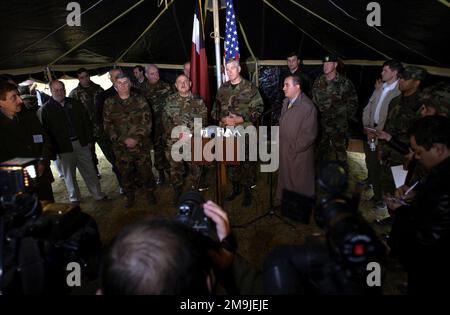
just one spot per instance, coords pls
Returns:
(228, 153)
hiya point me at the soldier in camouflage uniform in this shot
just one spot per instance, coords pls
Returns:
(436, 100)
(85, 93)
(336, 99)
(238, 102)
(403, 111)
(156, 95)
(127, 122)
(181, 110)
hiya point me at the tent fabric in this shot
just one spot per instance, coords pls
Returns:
(34, 34)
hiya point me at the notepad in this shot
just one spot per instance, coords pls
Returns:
(399, 175)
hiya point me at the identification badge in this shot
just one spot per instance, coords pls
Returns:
(38, 139)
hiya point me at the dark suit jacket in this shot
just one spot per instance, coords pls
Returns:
(25, 137)
(55, 122)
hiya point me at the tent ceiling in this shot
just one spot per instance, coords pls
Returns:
(33, 35)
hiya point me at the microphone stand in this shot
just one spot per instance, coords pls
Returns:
(272, 210)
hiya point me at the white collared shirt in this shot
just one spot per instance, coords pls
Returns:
(386, 89)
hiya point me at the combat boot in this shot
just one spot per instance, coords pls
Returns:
(161, 178)
(247, 201)
(131, 199)
(151, 199)
(234, 193)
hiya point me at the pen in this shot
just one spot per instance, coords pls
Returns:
(409, 189)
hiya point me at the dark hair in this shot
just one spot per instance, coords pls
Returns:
(158, 256)
(122, 75)
(394, 65)
(81, 70)
(5, 77)
(141, 68)
(431, 129)
(292, 54)
(6, 87)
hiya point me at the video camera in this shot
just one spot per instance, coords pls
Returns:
(337, 265)
(190, 212)
(37, 245)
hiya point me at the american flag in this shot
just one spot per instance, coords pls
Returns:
(231, 36)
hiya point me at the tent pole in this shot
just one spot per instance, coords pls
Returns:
(220, 167)
(217, 42)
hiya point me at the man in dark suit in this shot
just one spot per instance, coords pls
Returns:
(69, 127)
(22, 135)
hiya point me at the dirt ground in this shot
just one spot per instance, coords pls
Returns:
(255, 240)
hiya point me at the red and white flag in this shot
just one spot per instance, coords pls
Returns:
(199, 62)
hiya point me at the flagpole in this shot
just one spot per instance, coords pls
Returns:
(220, 167)
(217, 42)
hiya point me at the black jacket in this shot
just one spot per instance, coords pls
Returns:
(24, 137)
(420, 235)
(55, 122)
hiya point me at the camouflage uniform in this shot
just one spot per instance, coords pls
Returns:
(438, 97)
(244, 100)
(337, 103)
(403, 110)
(181, 111)
(86, 96)
(156, 95)
(130, 118)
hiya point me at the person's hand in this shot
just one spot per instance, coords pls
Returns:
(236, 119)
(401, 191)
(219, 217)
(232, 120)
(371, 135)
(221, 259)
(228, 121)
(392, 203)
(130, 143)
(183, 136)
(383, 135)
(378, 83)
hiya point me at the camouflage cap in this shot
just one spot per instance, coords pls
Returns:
(414, 73)
(330, 58)
(438, 97)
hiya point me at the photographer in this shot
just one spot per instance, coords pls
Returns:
(337, 264)
(420, 234)
(161, 256)
(22, 135)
